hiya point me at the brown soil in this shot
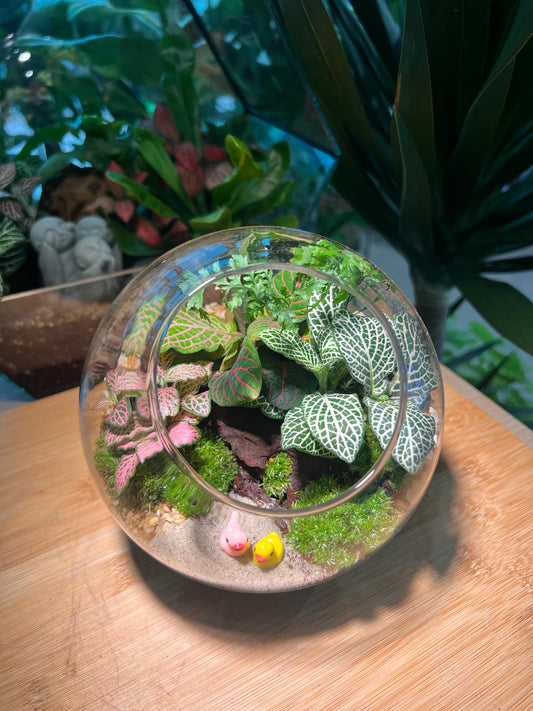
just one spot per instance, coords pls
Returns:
(44, 338)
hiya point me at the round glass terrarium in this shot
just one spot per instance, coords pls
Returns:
(261, 408)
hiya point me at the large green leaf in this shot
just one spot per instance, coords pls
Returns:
(144, 320)
(285, 384)
(219, 219)
(295, 434)
(415, 228)
(366, 348)
(417, 435)
(421, 375)
(336, 421)
(242, 382)
(194, 330)
(414, 99)
(278, 160)
(289, 343)
(246, 169)
(508, 310)
(154, 152)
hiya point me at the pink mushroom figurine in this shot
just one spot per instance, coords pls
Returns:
(233, 540)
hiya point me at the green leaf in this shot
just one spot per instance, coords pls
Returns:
(10, 236)
(141, 194)
(285, 384)
(324, 305)
(277, 165)
(192, 331)
(421, 375)
(219, 219)
(366, 348)
(295, 434)
(336, 421)
(417, 435)
(154, 153)
(504, 307)
(242, 382)
(144, 320)
(245, 169)
(415, 224)
(414, 102)
(287, 286)
(289, 343)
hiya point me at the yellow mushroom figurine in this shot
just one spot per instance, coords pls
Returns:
(268, 552)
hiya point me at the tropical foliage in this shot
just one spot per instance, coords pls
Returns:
(431, 107)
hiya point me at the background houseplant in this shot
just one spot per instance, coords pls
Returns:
(431, 108)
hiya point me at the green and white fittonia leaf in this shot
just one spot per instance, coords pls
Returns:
(421, 375)
(295, 434)
(324, 305)
(242, 382)
(289, 343)
(337, 421)
(417, 436)
(144, 320)
(366, 348)
(192, 331)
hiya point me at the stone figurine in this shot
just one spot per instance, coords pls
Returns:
(70, 251)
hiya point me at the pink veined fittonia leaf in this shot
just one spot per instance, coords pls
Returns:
(169, 402)
(183, 433)
(187, 156)
(165, 124)
(146, 448)
(197, 404)
(121, 414)
(124, 209)
(124, 380)
(186, 372)
(125, 470)
(147, 233)
(142, 407)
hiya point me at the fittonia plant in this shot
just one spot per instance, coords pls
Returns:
(292, 346)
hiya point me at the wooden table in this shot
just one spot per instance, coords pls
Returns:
(440, 618)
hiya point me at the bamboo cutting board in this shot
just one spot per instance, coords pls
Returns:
(440, 618)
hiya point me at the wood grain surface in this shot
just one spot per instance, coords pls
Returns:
(440, 618)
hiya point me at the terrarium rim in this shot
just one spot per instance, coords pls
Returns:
(365, 481)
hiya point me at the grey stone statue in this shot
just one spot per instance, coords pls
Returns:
(68, 252)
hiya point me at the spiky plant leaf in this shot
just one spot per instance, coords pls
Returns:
(242, 382)
(196, 330)
(416, 436)
(366, 348)
(144, 320)
(295, 434)
(336, 420)
(289, 343)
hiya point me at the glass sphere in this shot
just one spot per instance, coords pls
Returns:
(261, 408)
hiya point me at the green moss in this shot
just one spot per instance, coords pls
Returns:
(214, 461)
(333, 537)
(277, 474)
(106, 464)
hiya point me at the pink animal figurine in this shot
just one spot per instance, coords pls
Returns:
(233, 540)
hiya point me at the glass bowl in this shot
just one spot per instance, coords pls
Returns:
(261, 408)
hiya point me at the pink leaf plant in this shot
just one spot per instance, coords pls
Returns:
(128, 427)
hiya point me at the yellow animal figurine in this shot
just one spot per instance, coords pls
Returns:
(268, 552)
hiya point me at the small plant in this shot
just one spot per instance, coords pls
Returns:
(17, 214)
(332, 537)
(276, 479)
